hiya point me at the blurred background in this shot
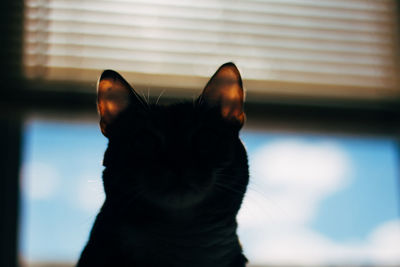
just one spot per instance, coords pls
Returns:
(323, 109)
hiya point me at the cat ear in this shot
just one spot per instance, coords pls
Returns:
(225, 91)
(114, 95)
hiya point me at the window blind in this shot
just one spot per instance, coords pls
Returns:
(312, 47)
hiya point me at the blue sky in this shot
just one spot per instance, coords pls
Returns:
(337, 194)
(371, 198)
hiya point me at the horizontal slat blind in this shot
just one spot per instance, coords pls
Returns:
(289, 46)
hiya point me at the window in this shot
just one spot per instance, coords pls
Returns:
(312, 69)
(342, 48)
(312, 201)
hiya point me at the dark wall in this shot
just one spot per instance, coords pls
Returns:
(11, 22)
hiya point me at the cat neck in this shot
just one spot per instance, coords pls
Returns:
(135, 243)
(176, 223)
(205, 241)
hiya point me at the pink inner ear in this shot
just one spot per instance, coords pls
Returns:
(113, 96)
(225, 90)
(231, 102)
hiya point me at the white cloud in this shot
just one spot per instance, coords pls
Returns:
(385, 243)
(90, 192)
(319, 168)
(288, 182)
(40, 180)
(293, 177)
(302, 246)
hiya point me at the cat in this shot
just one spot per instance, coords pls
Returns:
(174, 178)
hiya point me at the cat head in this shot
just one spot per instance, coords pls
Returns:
(172, 156)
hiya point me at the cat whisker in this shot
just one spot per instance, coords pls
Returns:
(231, 181)
(236, 191)
(194, 99)
(144, 98)
(254, 187)
(132, 194)
(158, 98)
(249, 196)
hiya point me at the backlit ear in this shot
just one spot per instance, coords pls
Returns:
(225, 91)
(114, 95)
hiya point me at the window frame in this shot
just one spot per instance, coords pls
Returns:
(21, 98)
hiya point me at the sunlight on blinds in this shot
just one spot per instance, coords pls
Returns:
(313, 47)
